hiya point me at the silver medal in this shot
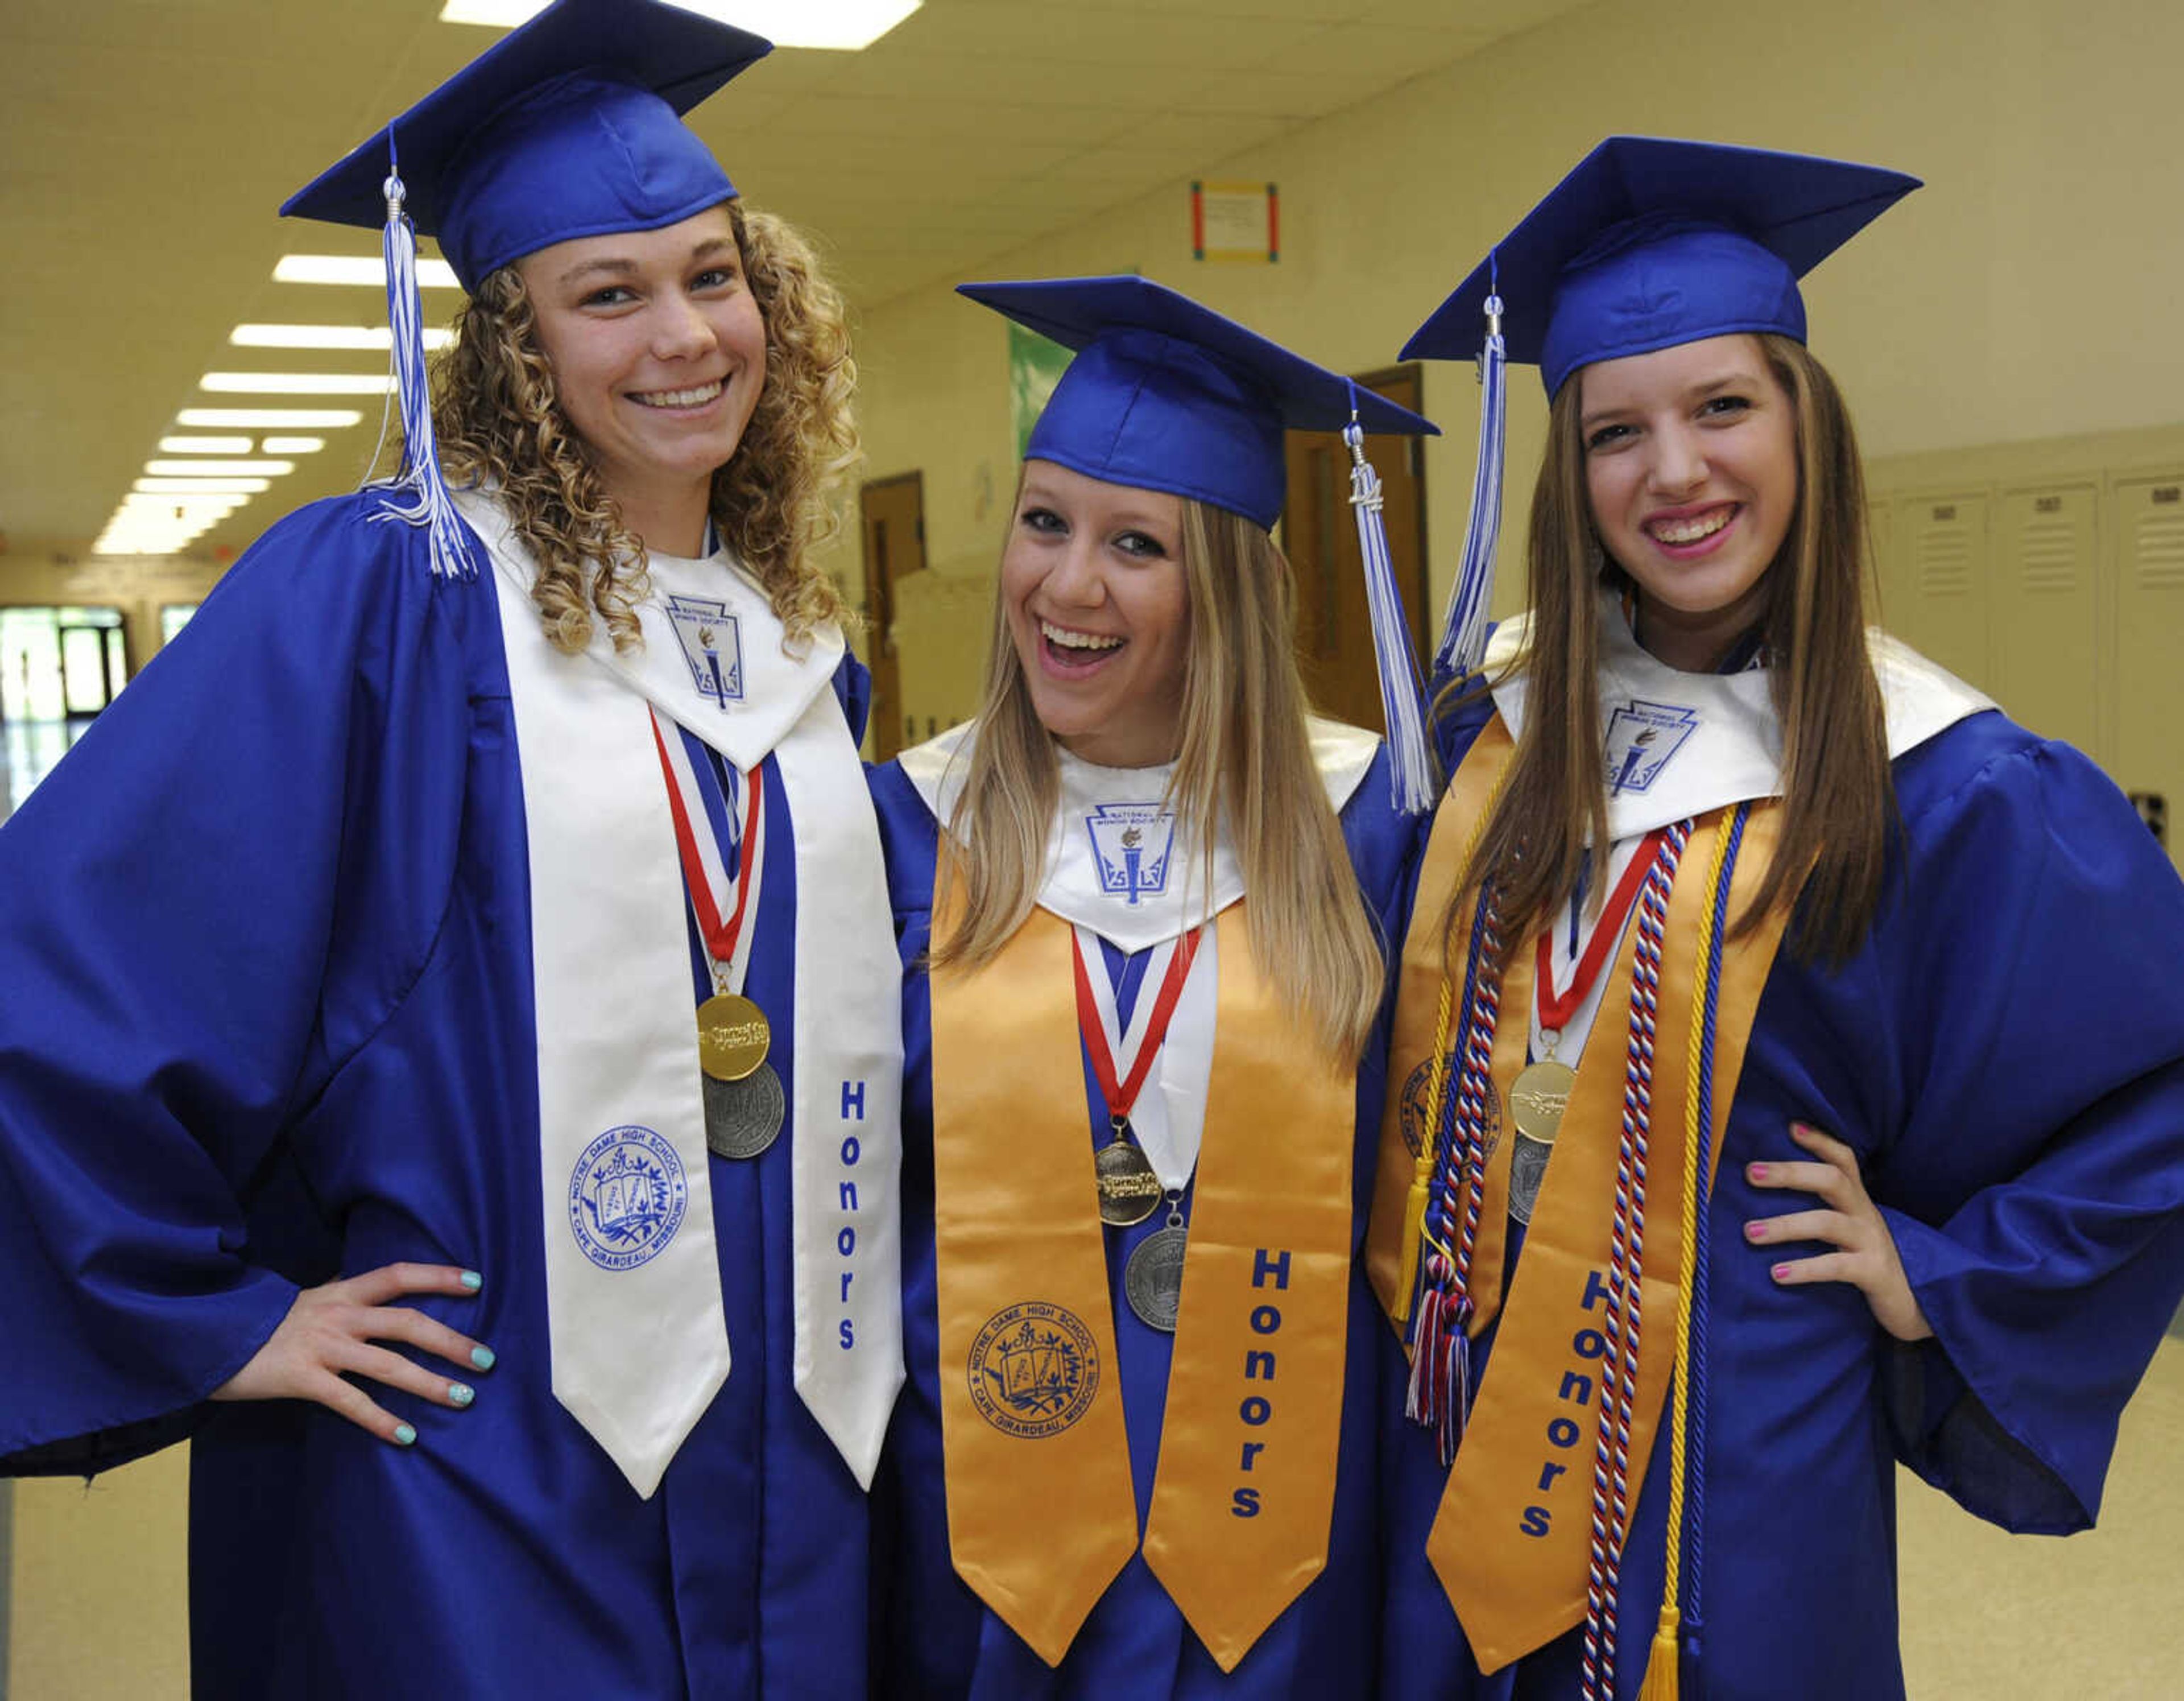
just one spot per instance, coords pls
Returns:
(744, 1118)
(1153, 1278)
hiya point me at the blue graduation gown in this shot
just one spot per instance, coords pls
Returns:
(933, 1636)
(2006, 1055)
(266, 1019)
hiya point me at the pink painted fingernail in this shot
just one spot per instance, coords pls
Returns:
(1756, 1172)
(1781, 1272)
(1755, 1232)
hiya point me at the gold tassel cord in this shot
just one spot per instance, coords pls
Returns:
(1661, 1683)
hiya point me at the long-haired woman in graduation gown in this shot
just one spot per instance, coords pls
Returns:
(1142, 900)
(1810, 1080)
(351, 1111)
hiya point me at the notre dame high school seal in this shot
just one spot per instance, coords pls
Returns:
(627, 1198)
(1034, 1369)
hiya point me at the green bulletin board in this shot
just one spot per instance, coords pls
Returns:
(1035, 366)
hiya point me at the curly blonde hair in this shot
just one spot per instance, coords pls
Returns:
(496, 417)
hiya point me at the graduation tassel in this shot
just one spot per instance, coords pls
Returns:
(1665, 1661)
(429, 506)
(1463, 632)
(1410, 760)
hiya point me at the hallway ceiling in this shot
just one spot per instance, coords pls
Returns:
(144, 145)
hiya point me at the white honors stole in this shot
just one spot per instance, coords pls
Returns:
(633, 1279)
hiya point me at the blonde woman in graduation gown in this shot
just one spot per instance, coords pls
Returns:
(1143, 900)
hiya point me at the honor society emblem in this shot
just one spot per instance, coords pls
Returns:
(627, 1198)
(1033, 1370)
(1130, 842)
(713, 646)
(1416, 1105)
(1641, 737)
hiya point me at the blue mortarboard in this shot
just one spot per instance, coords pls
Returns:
(1647, 244)
(1166, 395)
(568, 126)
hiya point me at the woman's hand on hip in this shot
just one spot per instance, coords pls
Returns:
(1865, 1254)
(330, 1334)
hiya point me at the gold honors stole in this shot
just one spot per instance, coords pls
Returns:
(1041, 1512)
(1510, 1542)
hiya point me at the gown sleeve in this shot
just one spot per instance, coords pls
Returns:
(216, 898)
(2036, 1193)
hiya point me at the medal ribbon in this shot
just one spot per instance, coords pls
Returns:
(726, 941)
(1555, 1008)
(1093, 1022)
(1266, 1280)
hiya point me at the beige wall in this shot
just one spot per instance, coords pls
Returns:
(2026, 292)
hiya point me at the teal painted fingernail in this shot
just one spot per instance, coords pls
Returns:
(404, 1435)
(460, 1393)
(481, 1357)
(473, 1280)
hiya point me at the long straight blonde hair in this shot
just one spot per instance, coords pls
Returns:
(1839, 798)
(1243, 756)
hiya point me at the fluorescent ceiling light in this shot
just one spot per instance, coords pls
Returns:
(297, 383)
(205, 445)
(290, 445)
(360, 270)
(203, 487)
(268, 419)
(845, 24)
(326, 337)
(219, 469)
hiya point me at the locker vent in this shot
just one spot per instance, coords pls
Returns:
(1944, 560)
(2049, 561)
(2159, 551)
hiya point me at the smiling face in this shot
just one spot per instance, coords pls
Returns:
(1092, 585)
(658, 352)
(1690, 460)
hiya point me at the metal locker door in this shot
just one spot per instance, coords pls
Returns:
(2044, 616)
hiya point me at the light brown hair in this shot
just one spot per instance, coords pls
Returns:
(1243, 756)
(496, 418)
(1839, 798)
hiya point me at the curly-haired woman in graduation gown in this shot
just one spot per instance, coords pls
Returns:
(351, 1110)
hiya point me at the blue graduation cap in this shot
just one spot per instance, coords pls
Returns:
(1647, 244)
(568, 126)
(1165, 394)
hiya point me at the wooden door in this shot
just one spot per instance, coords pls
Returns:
(1319, 533)
(893, 514)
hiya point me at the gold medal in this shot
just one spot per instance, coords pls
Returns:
(1129, 1191)
(1537, 1098)
(733, 1036)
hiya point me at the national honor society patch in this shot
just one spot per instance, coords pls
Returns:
(627, 1198)
(712, 643)
(1130, 843)
(1033, 1370)
(1417, 1103)
(1641, 737)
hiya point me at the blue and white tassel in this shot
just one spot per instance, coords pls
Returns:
(430, 505)
(1464, 635)
(1410, 761)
